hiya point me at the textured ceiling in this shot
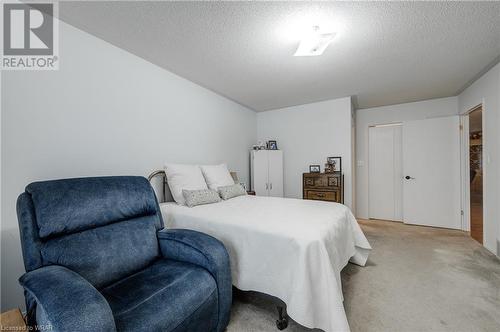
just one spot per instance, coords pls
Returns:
(384, 52)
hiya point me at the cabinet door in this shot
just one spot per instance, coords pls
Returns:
(259, 172)
(275, 173)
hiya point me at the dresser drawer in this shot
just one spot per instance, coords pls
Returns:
(332, 196)
(324, 181)
(334, 181)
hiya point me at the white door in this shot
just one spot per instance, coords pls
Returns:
(260, 172)
(431, 166)
(385, 173)
(275, 173)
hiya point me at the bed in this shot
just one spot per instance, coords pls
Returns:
(289, 248)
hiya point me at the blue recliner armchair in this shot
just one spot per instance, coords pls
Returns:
(98, 259)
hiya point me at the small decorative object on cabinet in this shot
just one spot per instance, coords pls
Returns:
(272, 145)
(329, 168)
(259, 146)
(267, 172)
(323, 186)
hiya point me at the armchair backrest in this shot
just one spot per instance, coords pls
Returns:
(103, 228)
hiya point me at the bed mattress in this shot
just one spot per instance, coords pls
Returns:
(289, 248)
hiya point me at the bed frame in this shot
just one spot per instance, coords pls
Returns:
(164, 187)
(164, 195)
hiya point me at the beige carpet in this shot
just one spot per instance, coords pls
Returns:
(416, 279)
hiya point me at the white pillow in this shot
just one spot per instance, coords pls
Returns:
(181, 177)
(217, 176)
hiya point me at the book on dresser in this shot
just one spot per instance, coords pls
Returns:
(323, 186)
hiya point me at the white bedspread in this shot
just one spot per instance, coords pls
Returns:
(289, 248)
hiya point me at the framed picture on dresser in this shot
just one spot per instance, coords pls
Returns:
(336, 163)
(314, 168)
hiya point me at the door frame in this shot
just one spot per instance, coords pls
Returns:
(390, 124)
(465, 165)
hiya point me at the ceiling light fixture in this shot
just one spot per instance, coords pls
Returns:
(314, 43)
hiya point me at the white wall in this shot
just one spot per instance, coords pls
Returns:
(308, 134)
(486, 90)
(105, 112)
(384, 115)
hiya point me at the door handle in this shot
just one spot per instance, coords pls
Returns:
(267, 186)
(409, 178)
(271, 186)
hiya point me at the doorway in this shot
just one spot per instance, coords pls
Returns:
(476, 173)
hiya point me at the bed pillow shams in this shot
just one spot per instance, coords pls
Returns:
(181, 177)
(231, 191)
(217, 176)
(199, 197)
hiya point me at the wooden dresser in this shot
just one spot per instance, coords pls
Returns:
(322, 186)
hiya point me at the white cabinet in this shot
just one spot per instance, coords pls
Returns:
(267, 172)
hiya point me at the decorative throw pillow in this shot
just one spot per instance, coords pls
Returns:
(199, 197)
(217, 176)
(181, 177)
(231, 191)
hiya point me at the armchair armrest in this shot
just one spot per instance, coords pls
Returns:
(206, 251)
(66, 301)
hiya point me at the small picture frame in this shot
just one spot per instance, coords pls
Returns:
(314, 169)
(336, 163)
(272, 145)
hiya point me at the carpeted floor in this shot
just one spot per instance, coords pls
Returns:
(416, 279)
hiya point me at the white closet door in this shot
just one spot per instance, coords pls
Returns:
(276, 173)
(385, 173)
(431, 164)
(260, 162)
